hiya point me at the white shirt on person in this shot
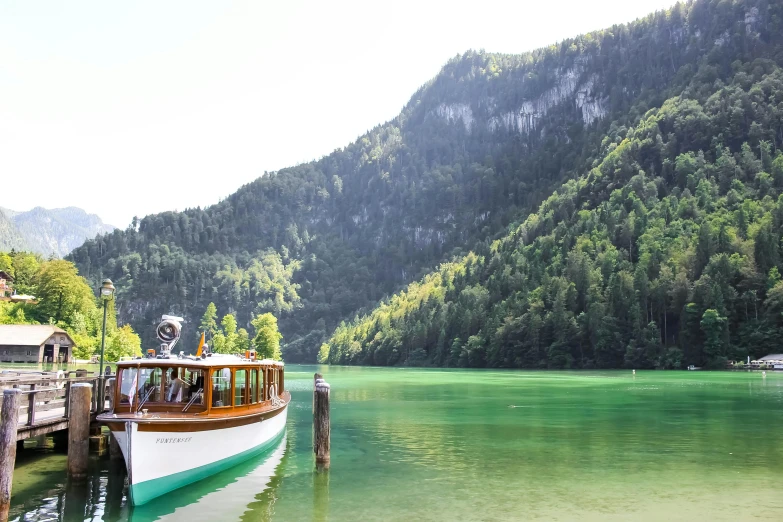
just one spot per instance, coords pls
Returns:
(176, 386)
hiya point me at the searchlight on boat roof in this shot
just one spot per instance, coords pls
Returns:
(168, 332)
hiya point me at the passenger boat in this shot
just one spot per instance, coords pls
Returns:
(179, 419)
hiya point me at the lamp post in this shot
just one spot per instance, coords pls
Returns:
(107, 294)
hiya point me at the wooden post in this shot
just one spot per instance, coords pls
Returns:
(315, 381)
(31, 406)
(96, 383)
(321, 428)
(9, 418)
(67, 399)
(112, 384)
(79, 430)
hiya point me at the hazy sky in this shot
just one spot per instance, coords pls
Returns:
(131, 108)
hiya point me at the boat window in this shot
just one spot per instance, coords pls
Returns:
(253, 386)
(127, 385)
(240, 384)
(194, 381)
(221, 387)
(174, 385)
(150, 384)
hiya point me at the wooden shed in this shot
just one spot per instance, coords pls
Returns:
(28, 343)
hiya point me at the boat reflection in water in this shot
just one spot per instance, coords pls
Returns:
(225, 496)
(249, 486)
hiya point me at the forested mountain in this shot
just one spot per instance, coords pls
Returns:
(52, 231)
(10, 238)
(476, 149)
(666, 253)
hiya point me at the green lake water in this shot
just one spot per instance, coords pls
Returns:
(424, 444)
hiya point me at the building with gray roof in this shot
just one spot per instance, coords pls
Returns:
(34, 343)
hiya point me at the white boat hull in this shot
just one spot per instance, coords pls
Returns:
(233, 500)
(161, 461)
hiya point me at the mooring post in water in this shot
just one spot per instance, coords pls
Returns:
(315, 381)
(321, 428)
(9, 418)
(79, 430)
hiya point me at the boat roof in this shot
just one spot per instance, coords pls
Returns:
(214, 361)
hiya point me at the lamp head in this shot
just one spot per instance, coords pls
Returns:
(107, 290)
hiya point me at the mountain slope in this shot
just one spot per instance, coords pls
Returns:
(10, 238)
(667, 253)
(483, 143)
(56, 231)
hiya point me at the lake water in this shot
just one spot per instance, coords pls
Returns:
(422, 444)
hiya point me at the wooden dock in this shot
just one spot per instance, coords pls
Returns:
(41, 403)
(45, 401)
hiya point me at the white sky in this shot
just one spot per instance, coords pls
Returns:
(130, 108)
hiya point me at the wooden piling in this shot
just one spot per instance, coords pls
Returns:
(9, 418)
(79, 430)
(112, 384)
(315, 381)
(321, 427)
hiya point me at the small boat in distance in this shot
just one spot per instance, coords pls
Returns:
(178, 419)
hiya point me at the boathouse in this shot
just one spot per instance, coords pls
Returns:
(774, 360)
(29, 343)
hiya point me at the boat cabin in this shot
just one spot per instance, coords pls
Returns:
(217, 385)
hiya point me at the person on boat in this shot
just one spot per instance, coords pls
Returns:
(197, 383)
(176, 386)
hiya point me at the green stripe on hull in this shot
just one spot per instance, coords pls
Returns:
(143, 492)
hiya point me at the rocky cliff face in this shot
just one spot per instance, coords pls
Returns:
(522, 95)
(573, 88)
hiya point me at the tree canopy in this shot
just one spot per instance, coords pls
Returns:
(267, 338)
(65, 299)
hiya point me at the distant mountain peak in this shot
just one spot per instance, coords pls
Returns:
(49, 231)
